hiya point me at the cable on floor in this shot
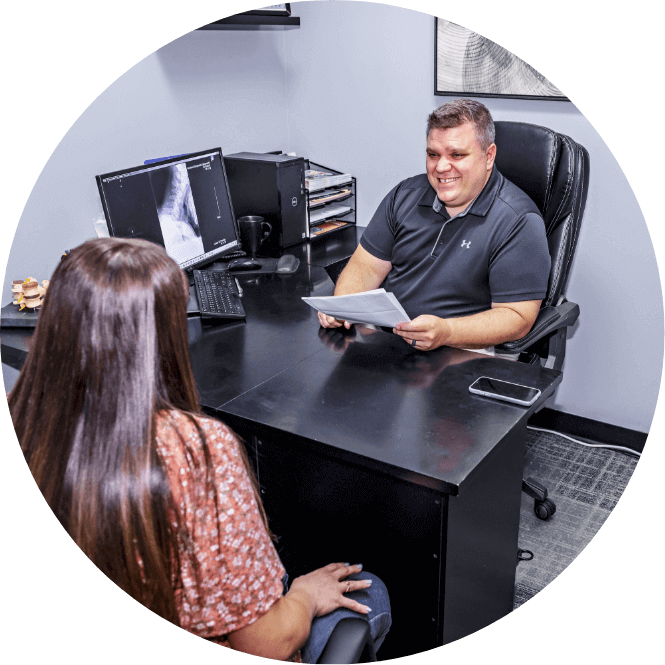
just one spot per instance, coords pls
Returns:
(608, 446)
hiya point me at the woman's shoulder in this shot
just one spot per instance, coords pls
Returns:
(174, 428)
(187, 423)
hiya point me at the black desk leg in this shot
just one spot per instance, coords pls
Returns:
(481, 547)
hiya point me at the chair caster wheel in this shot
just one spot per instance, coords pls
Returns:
(544, 509)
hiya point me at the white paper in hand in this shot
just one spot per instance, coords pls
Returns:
(373, 307)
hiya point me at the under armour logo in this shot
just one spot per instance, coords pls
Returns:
(294, 201)
(466, 243)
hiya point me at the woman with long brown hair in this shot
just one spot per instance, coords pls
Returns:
(161, 498)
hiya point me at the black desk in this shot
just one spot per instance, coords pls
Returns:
(371, 452)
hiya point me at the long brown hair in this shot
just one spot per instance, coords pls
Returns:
(109, 353)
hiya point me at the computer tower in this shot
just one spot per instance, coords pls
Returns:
(272, 186)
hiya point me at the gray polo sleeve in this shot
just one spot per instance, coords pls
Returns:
(379, 236)
(519, 269)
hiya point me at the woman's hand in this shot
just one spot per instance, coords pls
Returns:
(327, 586)
(284, 628)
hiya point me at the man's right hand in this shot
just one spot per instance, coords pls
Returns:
(331, 322)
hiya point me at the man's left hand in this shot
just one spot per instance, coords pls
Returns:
(425, 332)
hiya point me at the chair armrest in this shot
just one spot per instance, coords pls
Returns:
(549, 320)
(347, 642)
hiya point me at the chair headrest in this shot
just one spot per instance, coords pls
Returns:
(527, 155)
(554, 171)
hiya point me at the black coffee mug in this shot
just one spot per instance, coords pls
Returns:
(253, 231)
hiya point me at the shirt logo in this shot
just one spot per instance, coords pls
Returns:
(466, 244)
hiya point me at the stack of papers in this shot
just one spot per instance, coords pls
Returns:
(320, 199)
(329, 211)
(315, 180)
(376, 308)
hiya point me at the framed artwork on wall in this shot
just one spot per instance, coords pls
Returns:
(272, 10)
(466, 63)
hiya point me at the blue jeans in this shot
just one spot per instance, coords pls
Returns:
(379, 618)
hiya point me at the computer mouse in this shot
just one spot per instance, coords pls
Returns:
(287, 263)
(245, 263)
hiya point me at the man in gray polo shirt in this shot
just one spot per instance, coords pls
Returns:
(462, 248)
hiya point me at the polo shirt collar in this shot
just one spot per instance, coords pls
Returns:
(479, 206)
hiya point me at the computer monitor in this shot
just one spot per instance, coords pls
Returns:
(182, 203)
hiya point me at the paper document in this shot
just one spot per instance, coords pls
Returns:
(329, 211)
(374, 307)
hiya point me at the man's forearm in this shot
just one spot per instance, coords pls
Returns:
(354, 280)
(484, 329)
(363, 272)
(502, 323)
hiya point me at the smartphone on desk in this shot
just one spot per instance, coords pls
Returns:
(504, 391)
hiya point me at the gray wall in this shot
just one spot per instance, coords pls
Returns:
(201, 91)
(362, 110)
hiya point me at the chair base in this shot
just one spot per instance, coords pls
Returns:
(543, 507)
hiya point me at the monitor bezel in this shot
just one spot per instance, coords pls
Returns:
(206, 260)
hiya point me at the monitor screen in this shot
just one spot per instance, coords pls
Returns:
(181, 203)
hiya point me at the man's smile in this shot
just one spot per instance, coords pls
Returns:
(457, 167)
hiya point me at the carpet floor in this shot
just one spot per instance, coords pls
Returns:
(585, 484)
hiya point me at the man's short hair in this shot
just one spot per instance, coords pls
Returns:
(458, 111)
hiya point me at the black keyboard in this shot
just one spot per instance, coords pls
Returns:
(217, 293)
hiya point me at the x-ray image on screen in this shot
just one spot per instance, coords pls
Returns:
(176, 212)
(182, 203)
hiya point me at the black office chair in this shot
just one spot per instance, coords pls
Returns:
(554, 171)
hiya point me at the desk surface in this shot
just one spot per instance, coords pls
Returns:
(405, 412)
(364, 393)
